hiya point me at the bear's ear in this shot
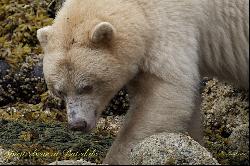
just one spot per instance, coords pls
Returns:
(42, 35)
(103, 32)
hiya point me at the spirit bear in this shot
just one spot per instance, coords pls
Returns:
(159, 49)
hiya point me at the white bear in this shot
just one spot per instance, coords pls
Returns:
(160, 49)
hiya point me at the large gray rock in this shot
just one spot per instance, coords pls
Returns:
(170, 149)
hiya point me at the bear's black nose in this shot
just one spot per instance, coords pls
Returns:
(79, 125)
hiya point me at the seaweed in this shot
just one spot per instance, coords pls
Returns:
(20, 50)
(19, 21)
(33, 140)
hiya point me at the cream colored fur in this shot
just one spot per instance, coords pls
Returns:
(159, 48)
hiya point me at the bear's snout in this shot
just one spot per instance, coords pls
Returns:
(79, 125)
(81, 114)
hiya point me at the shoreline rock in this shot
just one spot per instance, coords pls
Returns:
(171, 149)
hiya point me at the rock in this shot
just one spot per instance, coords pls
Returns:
(119, 105)
(225, 109)
(110, 124)
(4, 67)
(72, 162)
(23, 84)
(37, 70)
(239, 139)
(170, 149)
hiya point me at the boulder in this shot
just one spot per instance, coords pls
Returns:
(171, 149)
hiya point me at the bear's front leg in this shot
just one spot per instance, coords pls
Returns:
(156, 106)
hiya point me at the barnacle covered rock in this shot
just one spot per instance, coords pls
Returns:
(25, 84)
(119, 105)
(225, 109)
(239, 140)
(21, 79)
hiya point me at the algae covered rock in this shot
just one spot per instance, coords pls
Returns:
(239, 139)
(225, 109)
(171, 149)
(20, 50)
(25, 84)
(4, 67)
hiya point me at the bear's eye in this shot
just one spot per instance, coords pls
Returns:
(73, 41)
(85, 90)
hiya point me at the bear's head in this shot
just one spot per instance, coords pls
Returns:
(88, 59)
